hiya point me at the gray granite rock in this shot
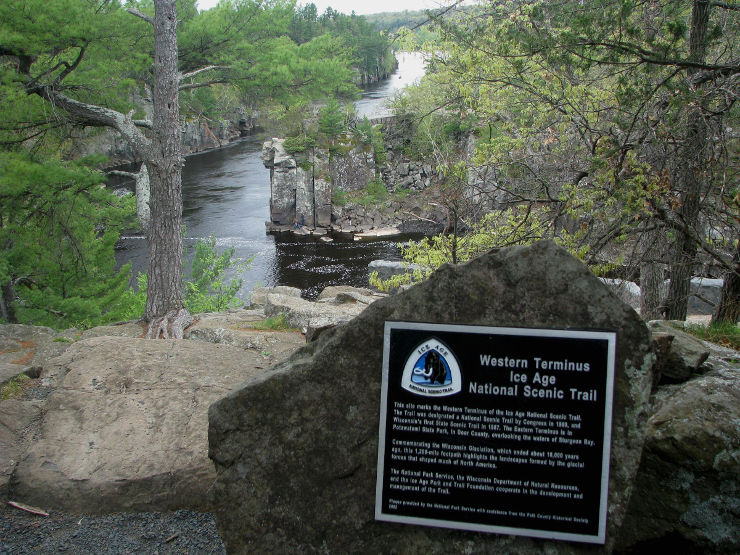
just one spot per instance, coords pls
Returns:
(304, 315)
(686, 354)
(295, 448)
(125, 426)
(259, 294)
(687, 492)
(16, 419)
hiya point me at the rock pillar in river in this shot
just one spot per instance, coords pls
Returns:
(299, 192)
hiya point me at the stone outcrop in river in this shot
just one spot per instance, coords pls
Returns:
(303, 188)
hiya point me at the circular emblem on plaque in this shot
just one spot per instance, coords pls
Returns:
(432, 370)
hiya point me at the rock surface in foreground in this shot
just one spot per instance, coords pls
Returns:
(687, 493)
(125, 427)
(296, 447)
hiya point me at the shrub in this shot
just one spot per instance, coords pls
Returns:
(377, 190)
(722, 333)
(273, 323)
(206, 290)
(299, 143)
(339, 197)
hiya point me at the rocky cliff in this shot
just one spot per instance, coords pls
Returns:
(197, 135)
(305, 186)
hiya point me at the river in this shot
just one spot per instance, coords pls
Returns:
(226, 195)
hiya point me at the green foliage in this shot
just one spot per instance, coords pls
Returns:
(299, 143)
(273, 323)
(515, 226)
(332, 119)
(377, 190)
(206, 289)
(398, 280)
(68, 277)
(371, 50)
(402, 193)
(14, 388)
(373, 194)
(339, 197)
(722, 333)
(586, 107)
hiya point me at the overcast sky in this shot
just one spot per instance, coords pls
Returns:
(359, 6)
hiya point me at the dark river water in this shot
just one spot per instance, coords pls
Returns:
(226, 195)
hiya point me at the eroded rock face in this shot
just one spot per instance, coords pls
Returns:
(296, 447)
(353, 170)
(687, 491)
(283, 181)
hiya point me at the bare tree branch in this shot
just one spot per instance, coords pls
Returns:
(201, 70)
(188, 86)
(143, 16)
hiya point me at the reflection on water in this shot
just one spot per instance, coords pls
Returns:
(226, 194)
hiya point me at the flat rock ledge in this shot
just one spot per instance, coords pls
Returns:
(124, 426)
(113, 422)
(305, 481)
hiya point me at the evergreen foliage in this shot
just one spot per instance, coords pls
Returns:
(68, 64)
(370, 50)
(332, 119)
(58, 229)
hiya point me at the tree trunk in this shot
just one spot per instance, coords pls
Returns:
(7, 311)
(690, 176)
(143, 212)
(651, 276)
(728, 310)
(164, 303)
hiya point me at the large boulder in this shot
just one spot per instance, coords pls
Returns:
(686, 494)
(296, 447)
(686, 355)
(125, 426)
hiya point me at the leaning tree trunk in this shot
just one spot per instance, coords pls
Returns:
(690, 176)
(164, 304)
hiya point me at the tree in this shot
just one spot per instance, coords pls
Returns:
(332, 119)
(83, 61)
(67, 278)
(609, 113)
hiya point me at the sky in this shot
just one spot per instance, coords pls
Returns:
(360, 7)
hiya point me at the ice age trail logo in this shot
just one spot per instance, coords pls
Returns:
(432, 370)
